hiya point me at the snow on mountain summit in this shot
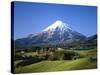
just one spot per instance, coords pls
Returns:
(58, 25)
(57, 33)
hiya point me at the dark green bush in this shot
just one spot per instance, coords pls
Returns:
(69, 55)
(64, 55)
(29, 61)
(92, 59)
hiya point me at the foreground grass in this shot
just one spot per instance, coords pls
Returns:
(62, 65)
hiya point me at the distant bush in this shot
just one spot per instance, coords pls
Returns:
(64, 55)
(29, 61)
(68, 55)
(46, 55)
(92, 59)
(19, 57)
(57, 55)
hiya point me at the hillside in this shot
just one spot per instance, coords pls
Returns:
(46, 66)
(89, 61)
(58, 33)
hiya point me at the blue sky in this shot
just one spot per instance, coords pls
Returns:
(30, 18)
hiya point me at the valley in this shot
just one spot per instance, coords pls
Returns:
(87, 59)
(56, 48)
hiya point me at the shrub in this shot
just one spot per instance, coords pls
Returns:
(69, 55)
(92, 59)
(30, 60)
(57, 55)
(19, 57)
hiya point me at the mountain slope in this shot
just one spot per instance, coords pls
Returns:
(91, 41)
(56, 33)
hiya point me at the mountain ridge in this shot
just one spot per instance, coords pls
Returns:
(58, 32)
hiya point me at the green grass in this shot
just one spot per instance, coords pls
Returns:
(61, 65)
(43, 66)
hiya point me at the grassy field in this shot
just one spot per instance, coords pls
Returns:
(46, 66)
(60, 65)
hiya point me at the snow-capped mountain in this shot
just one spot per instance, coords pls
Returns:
(58, 32)
(58, 24)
